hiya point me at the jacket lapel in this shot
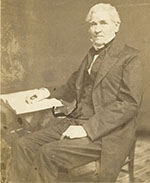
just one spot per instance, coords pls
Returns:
(105, 66)
(110, 59)
(84, 66)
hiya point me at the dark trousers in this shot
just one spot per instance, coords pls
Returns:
(36, 157)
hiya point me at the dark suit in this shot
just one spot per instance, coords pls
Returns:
(116, 95)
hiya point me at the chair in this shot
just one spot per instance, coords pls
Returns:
(130, 162)
(90, 172)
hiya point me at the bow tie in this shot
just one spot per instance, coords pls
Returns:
(100, 52)
(94, 51)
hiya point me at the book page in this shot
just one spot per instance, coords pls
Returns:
(18, 102)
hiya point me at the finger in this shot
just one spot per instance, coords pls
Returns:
(71, 137)
(62, 137)
(64, 134)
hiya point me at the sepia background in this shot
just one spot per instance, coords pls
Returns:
(43, 41)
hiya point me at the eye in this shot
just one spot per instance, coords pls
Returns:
(93, 23)
(103, 22)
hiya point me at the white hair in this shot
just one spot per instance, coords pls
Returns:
(104, 7)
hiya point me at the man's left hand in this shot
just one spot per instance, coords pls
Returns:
(74, 131)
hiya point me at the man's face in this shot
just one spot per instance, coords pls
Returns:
(102, 29)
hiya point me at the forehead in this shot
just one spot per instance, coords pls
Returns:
(101, 16)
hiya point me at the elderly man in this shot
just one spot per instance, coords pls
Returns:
(104, 96)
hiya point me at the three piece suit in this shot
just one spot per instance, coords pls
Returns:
(116, 94)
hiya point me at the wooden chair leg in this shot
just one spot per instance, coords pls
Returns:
(131, 165)
(131, 171)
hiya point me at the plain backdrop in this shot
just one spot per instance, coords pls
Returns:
(53, 38)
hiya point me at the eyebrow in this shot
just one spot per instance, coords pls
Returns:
(101, 21)
(92, 21)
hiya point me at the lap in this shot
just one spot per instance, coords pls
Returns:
(46, 135)
(72, 152)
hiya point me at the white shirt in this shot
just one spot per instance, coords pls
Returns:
(95, 57)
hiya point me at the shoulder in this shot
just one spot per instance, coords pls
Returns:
(130, 56)
(125, 53)
(129, 53)
(120, 49)
(129, 50)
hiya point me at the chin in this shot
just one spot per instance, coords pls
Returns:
(99, 42)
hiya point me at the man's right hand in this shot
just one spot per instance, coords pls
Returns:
(37, 95)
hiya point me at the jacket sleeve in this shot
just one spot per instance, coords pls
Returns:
(65, 92)
(68, 92)
(125, 108)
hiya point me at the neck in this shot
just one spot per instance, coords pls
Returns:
(98, 47)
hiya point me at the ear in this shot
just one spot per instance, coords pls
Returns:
(117, 25)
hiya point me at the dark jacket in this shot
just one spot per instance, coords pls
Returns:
(116, 95)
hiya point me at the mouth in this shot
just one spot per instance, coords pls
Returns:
(99, 36)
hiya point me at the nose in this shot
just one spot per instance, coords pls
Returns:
(98, 29)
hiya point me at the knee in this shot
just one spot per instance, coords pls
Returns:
(46, 152)
(45, 149)
(22, 142)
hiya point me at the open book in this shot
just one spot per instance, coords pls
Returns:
(18, 102)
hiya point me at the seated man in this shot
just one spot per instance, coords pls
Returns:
(105, 92)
